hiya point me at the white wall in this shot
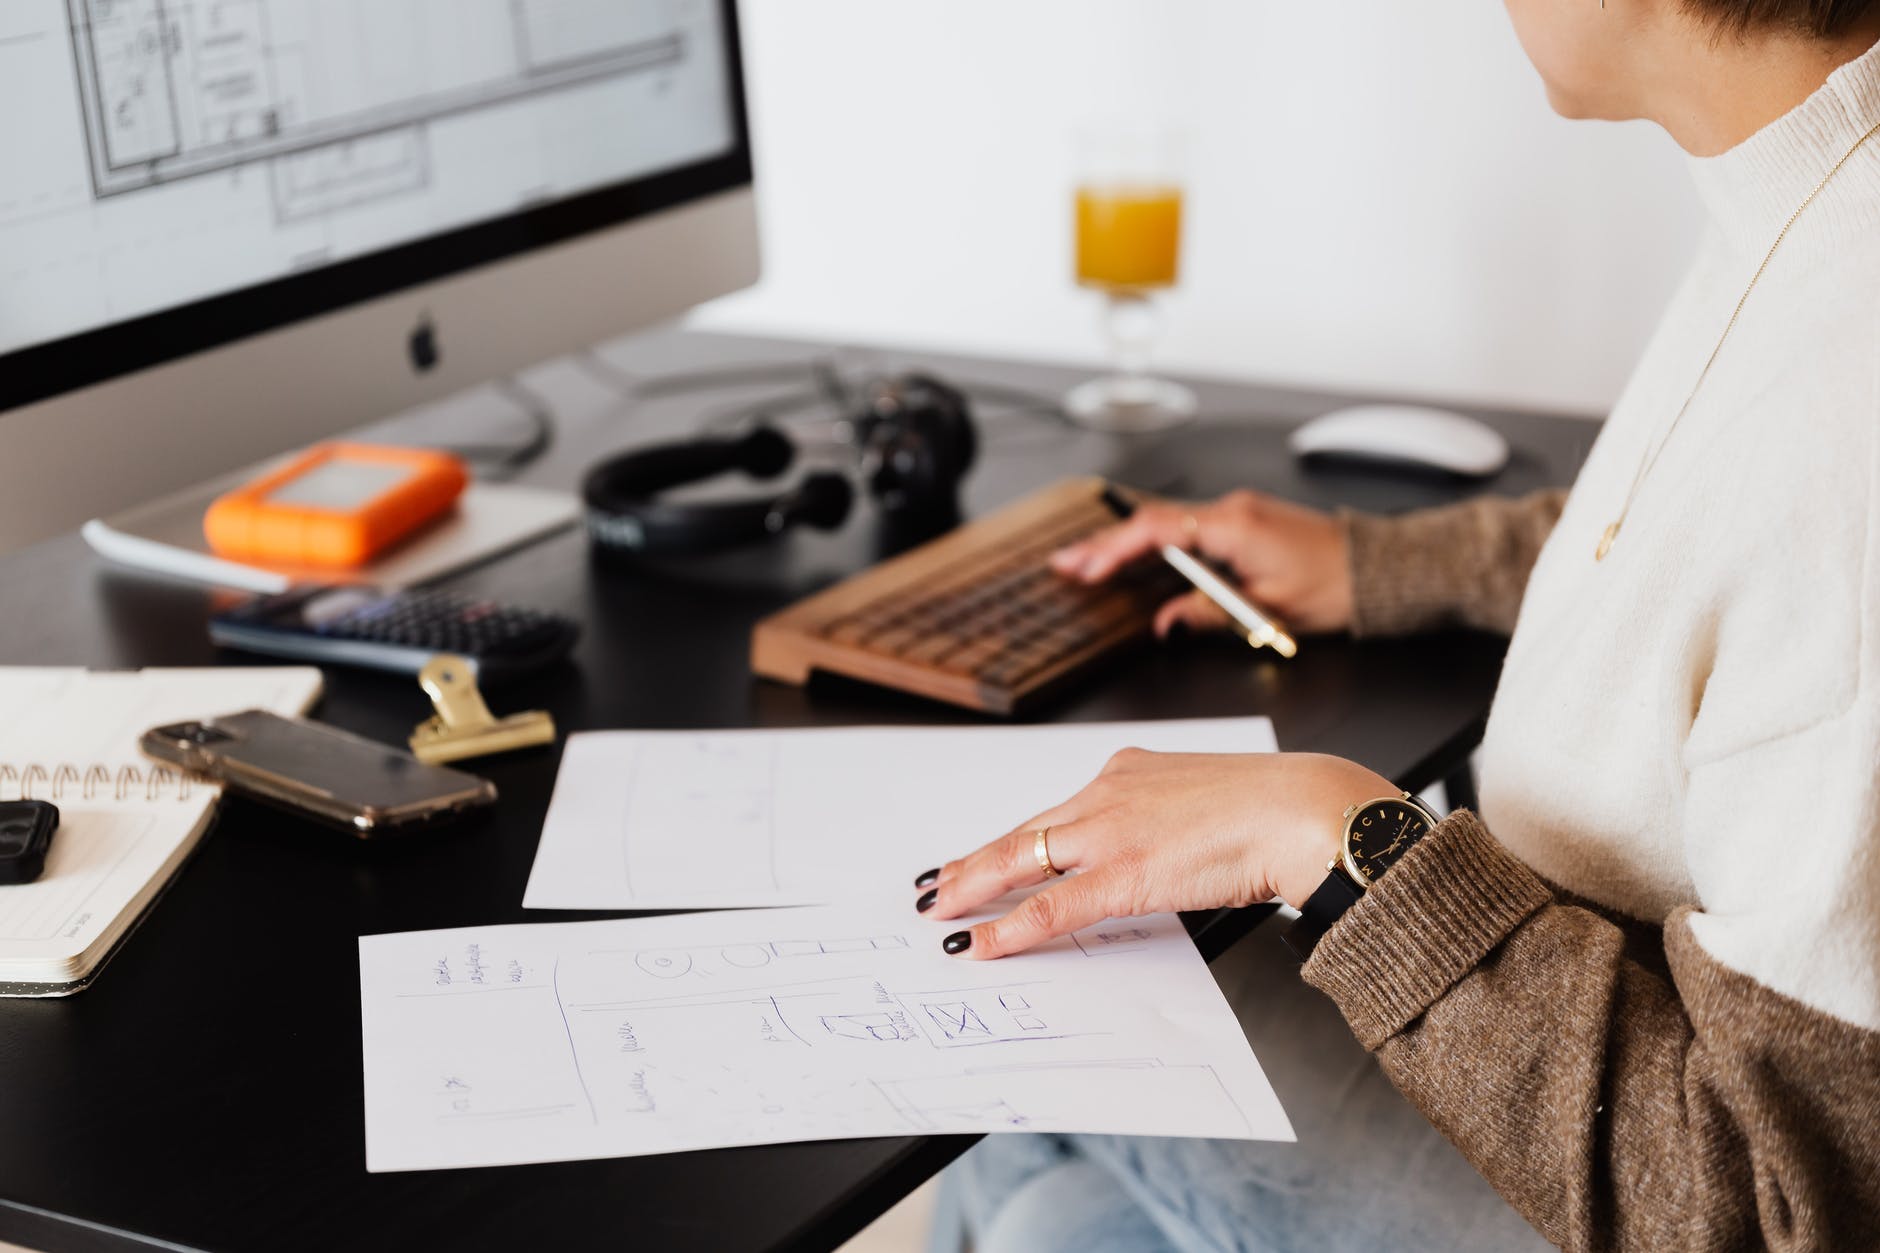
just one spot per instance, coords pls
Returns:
(1380, 198)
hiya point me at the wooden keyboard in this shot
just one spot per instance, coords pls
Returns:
(975, 618)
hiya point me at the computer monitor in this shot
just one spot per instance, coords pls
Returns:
(231, 227)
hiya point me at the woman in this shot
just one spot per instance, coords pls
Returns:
(1641, 992)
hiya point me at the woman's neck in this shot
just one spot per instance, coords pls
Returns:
(1718, 92)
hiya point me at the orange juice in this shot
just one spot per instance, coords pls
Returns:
(1128, 237)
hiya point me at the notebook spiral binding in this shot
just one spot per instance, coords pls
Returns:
(67, 782)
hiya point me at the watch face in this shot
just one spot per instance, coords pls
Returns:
(1380, 833)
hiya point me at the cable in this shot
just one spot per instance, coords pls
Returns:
(501, 461)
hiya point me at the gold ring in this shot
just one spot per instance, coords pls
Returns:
(1041, 849)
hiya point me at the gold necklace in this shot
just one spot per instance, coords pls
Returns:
(1645, 465)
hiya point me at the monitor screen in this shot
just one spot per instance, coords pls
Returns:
(176, 174)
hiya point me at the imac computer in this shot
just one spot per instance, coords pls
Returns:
(231, 227)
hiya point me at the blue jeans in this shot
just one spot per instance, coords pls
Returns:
(1367, 1173)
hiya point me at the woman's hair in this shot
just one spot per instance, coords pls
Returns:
(1823, 19)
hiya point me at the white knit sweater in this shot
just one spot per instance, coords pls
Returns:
(1696, 720)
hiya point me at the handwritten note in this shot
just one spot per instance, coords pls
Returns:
(684, 820)
(550, 1042)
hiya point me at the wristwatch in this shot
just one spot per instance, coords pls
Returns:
(1377, 834)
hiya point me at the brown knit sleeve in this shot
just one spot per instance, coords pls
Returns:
(1458, 565)
(1615, 1108)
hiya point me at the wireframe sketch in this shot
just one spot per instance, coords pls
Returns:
(876, 1026)
(711, 962)
(556, 1041)
(1110, 938)
(338, 92)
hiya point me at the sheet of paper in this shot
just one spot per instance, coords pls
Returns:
(708, 820)
(557, 1041)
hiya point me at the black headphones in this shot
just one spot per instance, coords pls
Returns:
(915, 439)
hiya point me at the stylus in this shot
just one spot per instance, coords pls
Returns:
(1252, 625)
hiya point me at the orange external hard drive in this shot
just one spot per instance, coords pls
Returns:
(334, 505)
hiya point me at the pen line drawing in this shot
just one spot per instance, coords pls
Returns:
(720, 996)
(664, 965)
(873, 1050)
(675, 963)
(784, 1019)
(573, 1050)
(1114, 940)
(870, 1026)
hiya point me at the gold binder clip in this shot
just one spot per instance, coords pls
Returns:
(464, 726)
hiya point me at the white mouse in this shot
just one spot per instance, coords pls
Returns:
(1404, 435)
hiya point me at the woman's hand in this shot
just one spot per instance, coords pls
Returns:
(1289, 559)
(1155, 832)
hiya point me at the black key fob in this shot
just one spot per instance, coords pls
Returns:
(26, 829)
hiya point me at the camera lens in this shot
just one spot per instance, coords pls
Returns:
(202, 733)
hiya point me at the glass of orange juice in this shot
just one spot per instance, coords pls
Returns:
(1129, 234)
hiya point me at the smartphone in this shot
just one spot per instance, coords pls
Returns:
(320, 770)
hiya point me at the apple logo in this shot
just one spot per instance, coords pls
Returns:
(424, 350)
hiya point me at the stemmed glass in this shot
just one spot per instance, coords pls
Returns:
(1129, 227)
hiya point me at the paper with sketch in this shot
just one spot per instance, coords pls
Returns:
(556, 1041)
(719, 819)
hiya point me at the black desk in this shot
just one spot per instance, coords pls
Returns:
(206, 1094)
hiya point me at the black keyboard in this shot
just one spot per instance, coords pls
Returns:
(397, 631)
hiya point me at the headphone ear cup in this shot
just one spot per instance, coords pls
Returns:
(925, 449)
(822, 501)
(763, 452)
(955, 439)
(626, 511)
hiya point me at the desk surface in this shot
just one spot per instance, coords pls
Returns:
(206, 1093)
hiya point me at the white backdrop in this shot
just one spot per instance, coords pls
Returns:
(1380, 198)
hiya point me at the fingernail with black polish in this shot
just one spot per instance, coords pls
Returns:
(928, 878)
(925, 903)
(958, 942)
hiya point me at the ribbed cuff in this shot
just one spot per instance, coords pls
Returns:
(1425, 925)
(1397, 583)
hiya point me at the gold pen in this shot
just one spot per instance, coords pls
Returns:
(1251, 625)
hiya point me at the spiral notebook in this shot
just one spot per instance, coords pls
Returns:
(125, 825)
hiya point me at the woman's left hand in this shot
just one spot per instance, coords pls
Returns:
(1155, 832)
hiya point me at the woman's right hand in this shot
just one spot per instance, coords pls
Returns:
(1287, 558)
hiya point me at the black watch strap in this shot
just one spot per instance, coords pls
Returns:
(1325, 907)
